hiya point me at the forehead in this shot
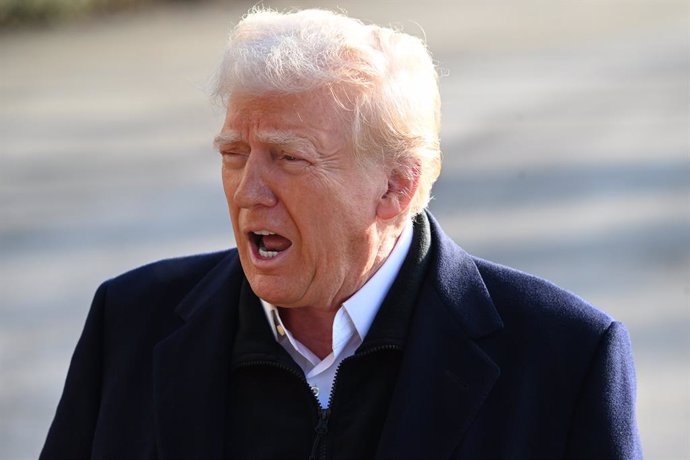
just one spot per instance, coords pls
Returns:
(302, 115)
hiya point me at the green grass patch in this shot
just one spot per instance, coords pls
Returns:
(16, 13)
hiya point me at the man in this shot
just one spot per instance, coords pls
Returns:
(346, 324)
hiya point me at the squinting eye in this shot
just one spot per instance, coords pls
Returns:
(289, 158)
(228, 153)
(232, 159)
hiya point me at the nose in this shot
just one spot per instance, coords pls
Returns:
(254, 188)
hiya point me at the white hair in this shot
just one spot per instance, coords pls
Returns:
(384, 78)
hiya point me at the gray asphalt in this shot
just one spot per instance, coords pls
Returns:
(566, 154)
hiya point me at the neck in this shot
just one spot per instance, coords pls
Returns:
(312, 327)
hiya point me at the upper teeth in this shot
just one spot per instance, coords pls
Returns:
(263, 233)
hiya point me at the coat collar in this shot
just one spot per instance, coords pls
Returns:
(461, 288)
(445, 376)
(190, 372)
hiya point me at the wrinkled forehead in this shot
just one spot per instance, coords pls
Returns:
(327, 101)
(309, 120)
(314, 110)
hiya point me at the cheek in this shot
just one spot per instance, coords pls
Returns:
(341, 226)
(233, 211)
(229, 186)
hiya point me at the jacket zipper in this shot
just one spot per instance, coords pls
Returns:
(318, 449)
(366, 352)
(324, 414)
(321, 427)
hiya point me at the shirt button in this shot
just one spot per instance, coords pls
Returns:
(314, 389)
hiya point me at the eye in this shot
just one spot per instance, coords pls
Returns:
(292, 163)
(290, 157)
(232, 159)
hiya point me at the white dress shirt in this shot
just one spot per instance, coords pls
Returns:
(350, 325)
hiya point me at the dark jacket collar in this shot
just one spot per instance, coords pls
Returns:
(391, 324)
(253, 338)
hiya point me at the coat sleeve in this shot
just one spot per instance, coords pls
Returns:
(604, 425)
(71, 433)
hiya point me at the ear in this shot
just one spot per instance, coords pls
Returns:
(401, 189)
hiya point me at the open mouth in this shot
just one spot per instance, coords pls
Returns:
(268, 244)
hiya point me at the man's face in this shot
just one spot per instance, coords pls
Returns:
(303, 210)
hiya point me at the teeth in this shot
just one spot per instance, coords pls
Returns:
(267, 254)
(263, 252)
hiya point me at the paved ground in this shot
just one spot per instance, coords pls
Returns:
(566, 154)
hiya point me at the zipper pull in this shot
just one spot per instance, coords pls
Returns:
(321, 429)
(322, 426)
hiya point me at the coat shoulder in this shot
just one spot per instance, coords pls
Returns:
(173, 270)
(160, 285)
(185, 271)
(523, 298)
(567, 365)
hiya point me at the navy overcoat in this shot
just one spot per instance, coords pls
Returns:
(497, 364)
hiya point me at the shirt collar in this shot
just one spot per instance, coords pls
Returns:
(364, 304)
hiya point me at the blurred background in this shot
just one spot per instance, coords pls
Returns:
(566, 154)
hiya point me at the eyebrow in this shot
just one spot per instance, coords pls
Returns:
(226, 138)
(267, 137)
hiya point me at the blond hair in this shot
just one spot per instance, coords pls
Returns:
(385, 78)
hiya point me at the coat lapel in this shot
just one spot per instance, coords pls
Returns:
(191, 369)
(445, 376)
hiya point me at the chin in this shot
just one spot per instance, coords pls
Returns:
(272, 290)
